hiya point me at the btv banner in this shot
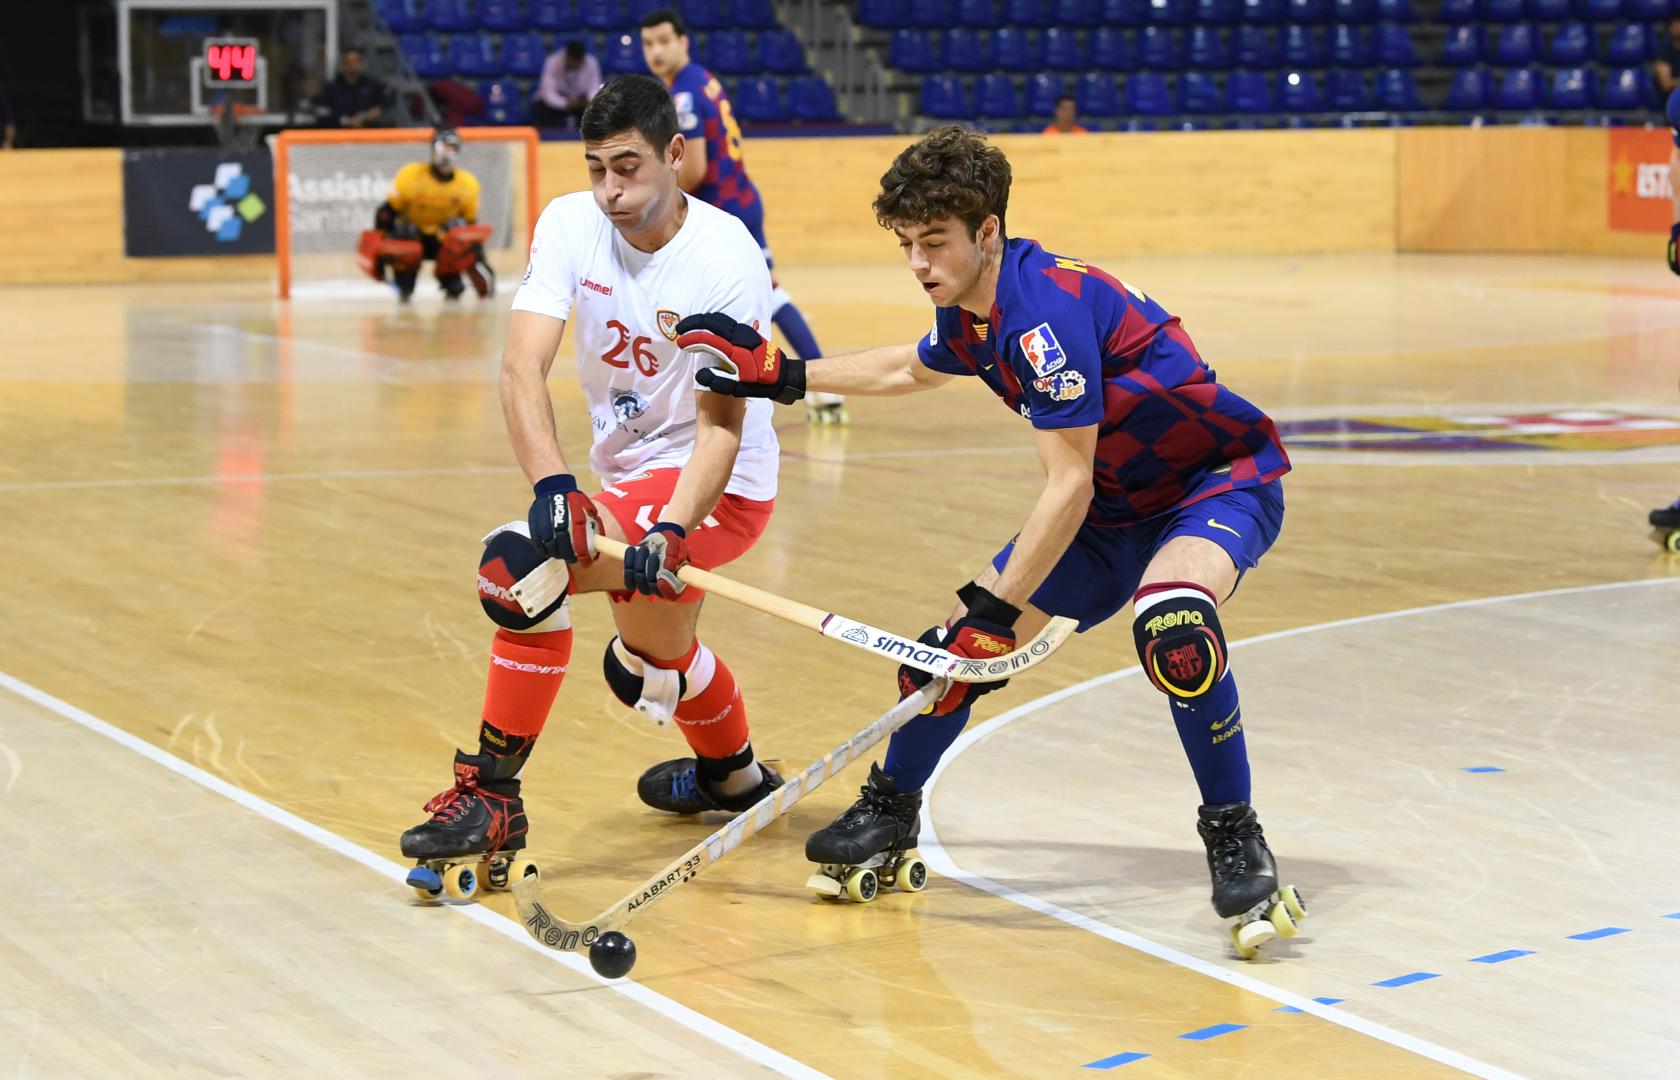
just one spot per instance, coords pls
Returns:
(198, 202)
(1638, 179)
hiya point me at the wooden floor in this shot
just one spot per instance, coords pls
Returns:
(239, 641)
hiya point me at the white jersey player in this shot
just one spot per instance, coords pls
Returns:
(689, 477)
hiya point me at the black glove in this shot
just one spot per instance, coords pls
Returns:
(1674, 247)
(985, 632)
(651, 566)
(560, 519)
(748, 366)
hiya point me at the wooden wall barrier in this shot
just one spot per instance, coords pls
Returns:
(1415, 189)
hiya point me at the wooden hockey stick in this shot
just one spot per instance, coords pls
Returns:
(936, 662)
(563, 936)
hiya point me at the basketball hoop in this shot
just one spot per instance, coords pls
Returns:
(235, 123)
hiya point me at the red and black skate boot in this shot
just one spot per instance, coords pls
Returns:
(479, 820)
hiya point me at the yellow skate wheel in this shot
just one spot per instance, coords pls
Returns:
(911, 875)
(518, 870)
(1282, 921)
(460, 881)
(426, 894)
(1292, 899)
(862, 885)
(1672, 541)
(1250, 936)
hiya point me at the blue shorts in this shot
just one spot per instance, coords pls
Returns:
(1098, 574)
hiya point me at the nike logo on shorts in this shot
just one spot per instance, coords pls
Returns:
(1212, 524)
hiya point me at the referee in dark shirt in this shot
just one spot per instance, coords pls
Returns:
(352, 99)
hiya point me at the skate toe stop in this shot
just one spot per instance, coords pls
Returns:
(824, 886)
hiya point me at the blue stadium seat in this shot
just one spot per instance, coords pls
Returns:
(554, 15)
(1013, 49)
(1464, 45)
(1026, 13)
(978, 13)
(1571, 44)
(1208, 48)
(729, 54)
(1468, 90)
(1042, 92)
(1624, 88)
(1307, 12)
(505, 103)
(1454, 12)
(811, 98)
(1063, 50)
(1396, 91)
(1113, 49)
(450, 15)
(1345, 90)
(944, 98)
(1303, 47)
(1599, 10)
(1570, 88)
(1158, 49)
(605, 15)
(474, 56)
(1213, 12)
(1096, 95)
(1147, 94)
(883, 14)
(912, 50)
(964, 50)
(1350, 46)
(524, 54)
(403, 16)
(1248, 92)
(753, 15)
(1262, 12)
(780, 51)
(621, 54)
(428, 55)
(995, 97)
(1630, 43)
(1518, 89)
(1518, 45)
(1299, 92)
(759, 99)
(1548, 11)
(1125, 13)
(1257, 47)
(1651, 11)
(1502, 11)
(640, 9)
(1081, 13)
(1394, 46)
(503, 16)
(933, 14)
(1353, 12)
(1201, 92)
(699, 14)
(1399, 11)
(1169, 12)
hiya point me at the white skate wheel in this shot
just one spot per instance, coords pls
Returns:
(824, 886)
(460, 881)
(862, 885)
(911, 875)
(1250, 936)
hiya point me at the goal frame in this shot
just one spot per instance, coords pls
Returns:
(285, 140)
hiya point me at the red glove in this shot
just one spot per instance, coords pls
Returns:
(651, 566)
(747, 365)
(560, 519)
(983, 633)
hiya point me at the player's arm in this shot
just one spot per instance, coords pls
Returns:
(885, 371)
(1067, 455)
(532, 342)
(717, 440)
(1666, 80)
(748, 366)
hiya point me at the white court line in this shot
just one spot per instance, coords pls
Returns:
(256, 478)
(681, 1014)
(941, 861)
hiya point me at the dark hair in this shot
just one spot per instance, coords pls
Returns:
(348, 49)
(577, 50)
(1065, 97)
(631, 101)
(949, 172)
(662, 15)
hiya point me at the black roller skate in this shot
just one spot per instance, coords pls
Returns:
(475, 834)
(1245, 878)
(871, 845)
(677, 787)
(1665, 524)
(826, 410)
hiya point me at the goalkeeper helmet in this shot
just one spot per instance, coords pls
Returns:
(446, 146)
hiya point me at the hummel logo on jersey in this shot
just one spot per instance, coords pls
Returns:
(1043, 351)
(604, 290)
(1212, 524)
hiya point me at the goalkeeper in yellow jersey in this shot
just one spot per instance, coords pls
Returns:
(431, 213)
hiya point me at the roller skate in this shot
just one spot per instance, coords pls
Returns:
(871, 846)
(1665, 526)
(826, 410)
(1245, 879)
(677, 787)
(476, 832)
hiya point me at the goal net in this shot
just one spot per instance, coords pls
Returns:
(329, 183)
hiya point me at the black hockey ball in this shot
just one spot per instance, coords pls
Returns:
(612, 955)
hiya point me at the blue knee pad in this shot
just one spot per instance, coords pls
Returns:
(519, 587)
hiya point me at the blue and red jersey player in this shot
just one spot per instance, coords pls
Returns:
(1162, 489)
(1666, 519)
(715, 168)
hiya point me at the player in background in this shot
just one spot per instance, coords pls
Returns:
(1162, 488)
(686, 477)
(431, 213)
(715, 169)
(1666, 520)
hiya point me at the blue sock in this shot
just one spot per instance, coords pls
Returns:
(915, 749)
(1210, 727)
(799, 336)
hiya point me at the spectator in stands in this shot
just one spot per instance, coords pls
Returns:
(1666, 67)
(8, 121)
(1063, 124)
(352, 99)
(570, 78)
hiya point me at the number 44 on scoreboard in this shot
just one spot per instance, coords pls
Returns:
(230, 61)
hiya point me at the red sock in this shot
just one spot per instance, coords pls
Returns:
(525, 674)
(712, 716)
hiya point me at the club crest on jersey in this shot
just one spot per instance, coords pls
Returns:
(1062, 386)
(1043, 351)
(668, 321)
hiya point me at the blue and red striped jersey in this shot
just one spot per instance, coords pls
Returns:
(703, 112)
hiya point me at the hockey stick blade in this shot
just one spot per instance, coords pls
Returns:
(558, 934)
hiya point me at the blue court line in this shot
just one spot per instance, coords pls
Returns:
(1406, 980)
(1482, 768)
(1594, 935)
(1116, 1061)
(1676, 915)
(1321, 1001)
(1213, 1032)
(1501, 957)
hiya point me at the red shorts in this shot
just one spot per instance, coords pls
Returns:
(729, 531)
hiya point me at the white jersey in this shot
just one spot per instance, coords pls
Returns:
(623, 306)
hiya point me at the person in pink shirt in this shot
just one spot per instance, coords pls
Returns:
(570, 78)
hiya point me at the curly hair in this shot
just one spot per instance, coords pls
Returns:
(949, 172)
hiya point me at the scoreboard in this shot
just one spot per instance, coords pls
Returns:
(180, 61)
